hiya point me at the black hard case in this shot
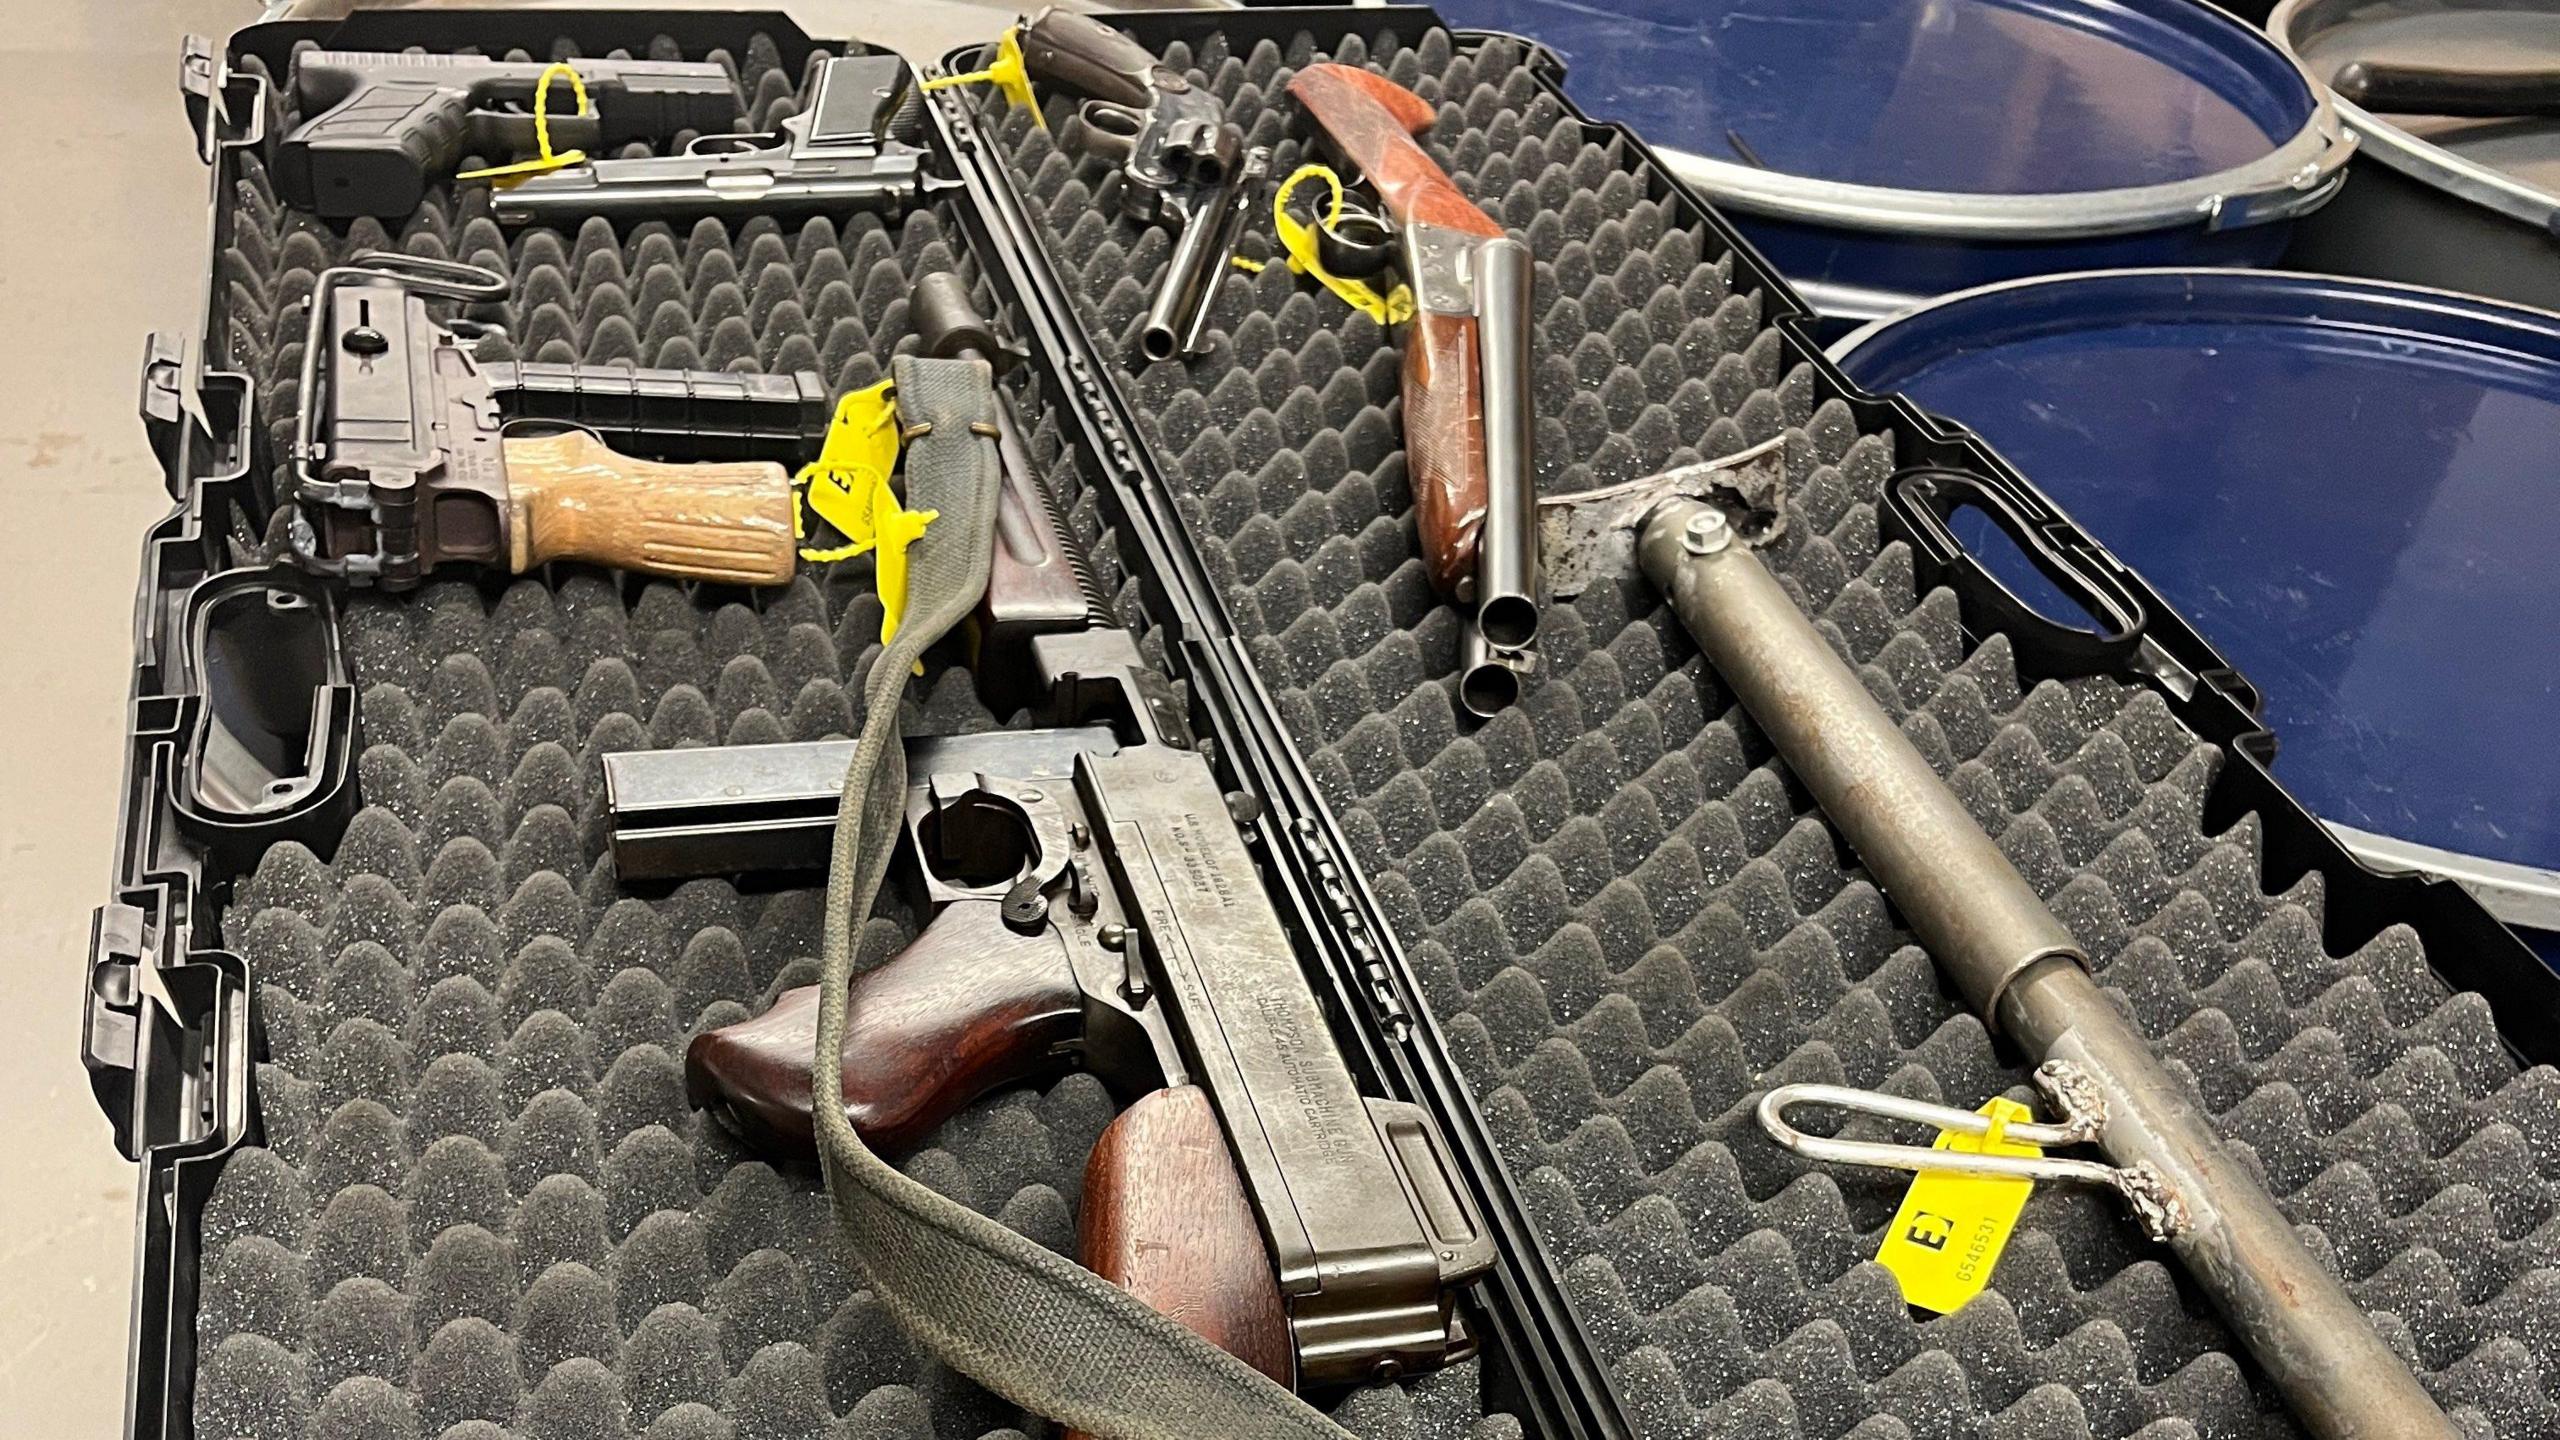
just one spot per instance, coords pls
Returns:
(170, 1034)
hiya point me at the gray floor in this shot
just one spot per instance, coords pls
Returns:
(97, 129)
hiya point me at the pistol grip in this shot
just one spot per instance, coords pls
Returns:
(373, 153)
(570, 497)
(1444, 442)
(968, 1008)
(1165, 1218)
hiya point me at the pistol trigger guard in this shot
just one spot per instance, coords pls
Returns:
(540, 425)
(727, 143)
(1113, 128)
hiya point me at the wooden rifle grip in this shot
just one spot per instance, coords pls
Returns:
(1444, 442)
(1165, 1218)
(968, 1008)
(572, 497)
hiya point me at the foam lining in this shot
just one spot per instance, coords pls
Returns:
(1630, 923)
(482, 1207)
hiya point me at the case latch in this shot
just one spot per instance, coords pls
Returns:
(216, 400)
(226, 109)
(164, 361)
(167, 1046)
(110, 1037)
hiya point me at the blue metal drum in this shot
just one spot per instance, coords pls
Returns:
(1882, 151)
(2351, 488)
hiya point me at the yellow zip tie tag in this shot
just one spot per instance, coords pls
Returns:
(541, 129)
(1007, 74)
(848, 487)
(1951, 1228)
(1298, 242)
(853, 467)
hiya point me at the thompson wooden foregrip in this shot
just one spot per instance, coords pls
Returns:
(1165, 1218)
(571, 497)
(1372, 121)
(1444, 442)
(968, 1008)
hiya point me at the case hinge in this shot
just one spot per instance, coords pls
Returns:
(1333, 888)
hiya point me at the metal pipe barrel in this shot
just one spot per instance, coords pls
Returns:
(1507, 544)
(2022, 971)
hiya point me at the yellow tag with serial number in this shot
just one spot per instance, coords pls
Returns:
(843, 485)
(848, 487)
(1951, 1228)
(1298, 243)
(548, 159)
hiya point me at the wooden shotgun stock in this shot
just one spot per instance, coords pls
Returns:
(1371, 121)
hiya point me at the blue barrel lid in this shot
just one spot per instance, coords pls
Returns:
(1947, 97)
(2352, 489)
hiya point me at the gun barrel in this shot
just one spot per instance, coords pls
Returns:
(1507, 544)
(1178, 321)
(2025, 974)
(1489, 678)
(764, 181)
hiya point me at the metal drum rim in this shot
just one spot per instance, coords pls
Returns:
(2292, 180)
(2518, 894)
(2417, 299)
(2421, 160)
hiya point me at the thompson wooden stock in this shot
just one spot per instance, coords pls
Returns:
(1372, 121)
(571, 497)
(1165, 1218)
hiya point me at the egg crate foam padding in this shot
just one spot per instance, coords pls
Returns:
(1630, 923)
(482, 1207)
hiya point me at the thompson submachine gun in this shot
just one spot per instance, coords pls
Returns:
(376, 128)
(404, 461)
(1093, 904)
(851, 149)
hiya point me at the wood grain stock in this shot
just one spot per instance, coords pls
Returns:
(1372, 121)
(571, 497)
(969, 1007)
(1444, 443)
(1165, 1218)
